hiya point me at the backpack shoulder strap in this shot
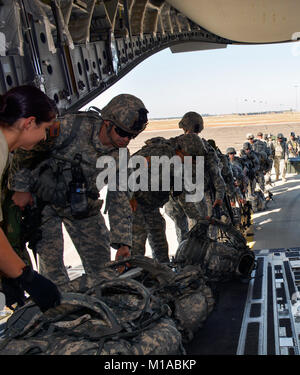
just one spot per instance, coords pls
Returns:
(74, 130)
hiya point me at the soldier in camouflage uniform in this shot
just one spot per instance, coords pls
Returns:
(226, 171)
(147, 219)
(240, 179)
(230, 188)
(263, 138)
(280, 157)
(251, 161)
(148, 203)
(65, 183)
(177, 208)
(271, 147)
(293, 146)
(260, 136)
(258, 144)
(264, 167)
(263, 152)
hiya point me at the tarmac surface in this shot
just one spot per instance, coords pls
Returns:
(279, 225)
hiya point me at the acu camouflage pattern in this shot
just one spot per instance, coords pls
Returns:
(90, 234)
(185, 214)
(190, 144)
(258, 201)
(259, 145)
(190, 121)
(213, 178)
(25, 161)
(185, 291)
(123, 111)
(147, 219)
(149, 224)
(280, 149)
(157, 147)
(12, 227)
(293, 148)
(220, 261)
(86, 325)
(230, 150)
(118, 316)
(226, 170)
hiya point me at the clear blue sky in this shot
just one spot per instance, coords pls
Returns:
(238, 78)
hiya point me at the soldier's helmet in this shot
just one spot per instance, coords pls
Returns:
(280, 135)
(191, 121)
(190, 144)
(230, 150)
(250, 136)
(270, 135)
(260, 134)
(292, 134)
(247, 146)
(127, 112)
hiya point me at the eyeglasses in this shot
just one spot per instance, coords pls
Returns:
(122, 133)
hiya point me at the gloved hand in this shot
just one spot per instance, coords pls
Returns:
(42, 291)
(13, 292)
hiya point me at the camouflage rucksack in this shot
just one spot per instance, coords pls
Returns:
(116, 317)
(184, 290)
(220, 261)
(156, 147)
(265, 162)
(259, 146)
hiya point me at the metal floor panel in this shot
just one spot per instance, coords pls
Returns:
(271, 320)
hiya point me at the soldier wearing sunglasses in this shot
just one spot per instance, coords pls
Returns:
(82, 138)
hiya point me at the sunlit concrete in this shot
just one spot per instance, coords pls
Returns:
(279, 225)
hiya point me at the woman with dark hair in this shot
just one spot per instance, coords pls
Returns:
(25, 114)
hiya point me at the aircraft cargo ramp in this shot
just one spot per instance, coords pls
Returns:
(259, 318)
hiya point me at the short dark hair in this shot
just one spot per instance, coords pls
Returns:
(25, 101)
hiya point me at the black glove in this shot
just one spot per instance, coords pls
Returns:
(13, 292)
(42, 291)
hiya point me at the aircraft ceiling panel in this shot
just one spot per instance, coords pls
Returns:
(76, 49)
(247, 21)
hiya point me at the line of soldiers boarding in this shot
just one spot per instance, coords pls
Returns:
(55, 184)
(259, 155)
